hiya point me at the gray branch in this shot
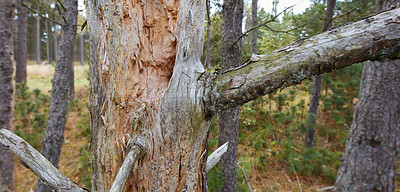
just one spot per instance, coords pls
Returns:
(373, 38)
(213, 159)
(38, 164)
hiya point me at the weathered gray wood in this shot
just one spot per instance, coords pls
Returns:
(135, 148)
(372, 38)
(213, 159)
(38, 163)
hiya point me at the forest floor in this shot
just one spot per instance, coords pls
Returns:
(270, 154)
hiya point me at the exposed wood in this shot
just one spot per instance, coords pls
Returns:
(38, 163)
(372, 38)
(216, 156)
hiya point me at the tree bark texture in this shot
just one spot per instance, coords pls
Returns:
(254, 23)
(373, 143)
(7, 177)
(231, 57)
(137, 47)
(147, 53)
(53, 139)
(21, 44)
(316, 90)
(37, 48)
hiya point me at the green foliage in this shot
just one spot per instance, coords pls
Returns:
(31, 108)
(85, 153)
(214, 179)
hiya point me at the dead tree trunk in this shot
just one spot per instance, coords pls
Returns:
(53, 139)
(373, 141)
(21, 44)
(316, 90)
(231, 57)
(7, 177)
(146, 55)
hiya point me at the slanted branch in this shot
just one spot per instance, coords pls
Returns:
(39, 165)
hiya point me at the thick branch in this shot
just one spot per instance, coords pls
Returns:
(38, 164)
(372, 38)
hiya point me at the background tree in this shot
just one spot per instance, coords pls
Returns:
(53, 138)
(372, 145)
(316, 90)
(38, 38)
(254, 23)
(7, 177)
(231, 57)
(21, 43)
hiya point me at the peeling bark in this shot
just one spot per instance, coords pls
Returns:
(147, 53)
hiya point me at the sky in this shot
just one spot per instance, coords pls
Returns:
(298, 8)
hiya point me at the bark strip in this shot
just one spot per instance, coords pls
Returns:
(38, 163)
(372, 38)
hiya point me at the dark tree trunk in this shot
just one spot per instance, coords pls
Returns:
(53, 138)
(72, 75)
(7, 178)
(47, 42)
(254, 23)
(55, 43)
(82, 49)
(374, 137)
(316, 90)
(37, 48)
(208, 41)
(21, 44)
(229, 120)
(373, 142)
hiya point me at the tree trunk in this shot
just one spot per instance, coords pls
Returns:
(37, 48)
(72, 74)
(82, 49)
(254, 23)
(207, 61)
(316, 90)
(53, 138)
(55, 43)
(21, 44)
(146, 55)
(47, 42)
(7, 177)
(231, 57)
(373, 141)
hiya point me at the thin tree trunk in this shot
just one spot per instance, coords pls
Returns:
(208, 41)
(373, 143)
(7, 177)
(53, 138)
(254, 23)
(82, 49)
(21, 44)
(229, 120)
(55, 43)
(47, 42)
(316, 90)
(72, 75)
(37, 49)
